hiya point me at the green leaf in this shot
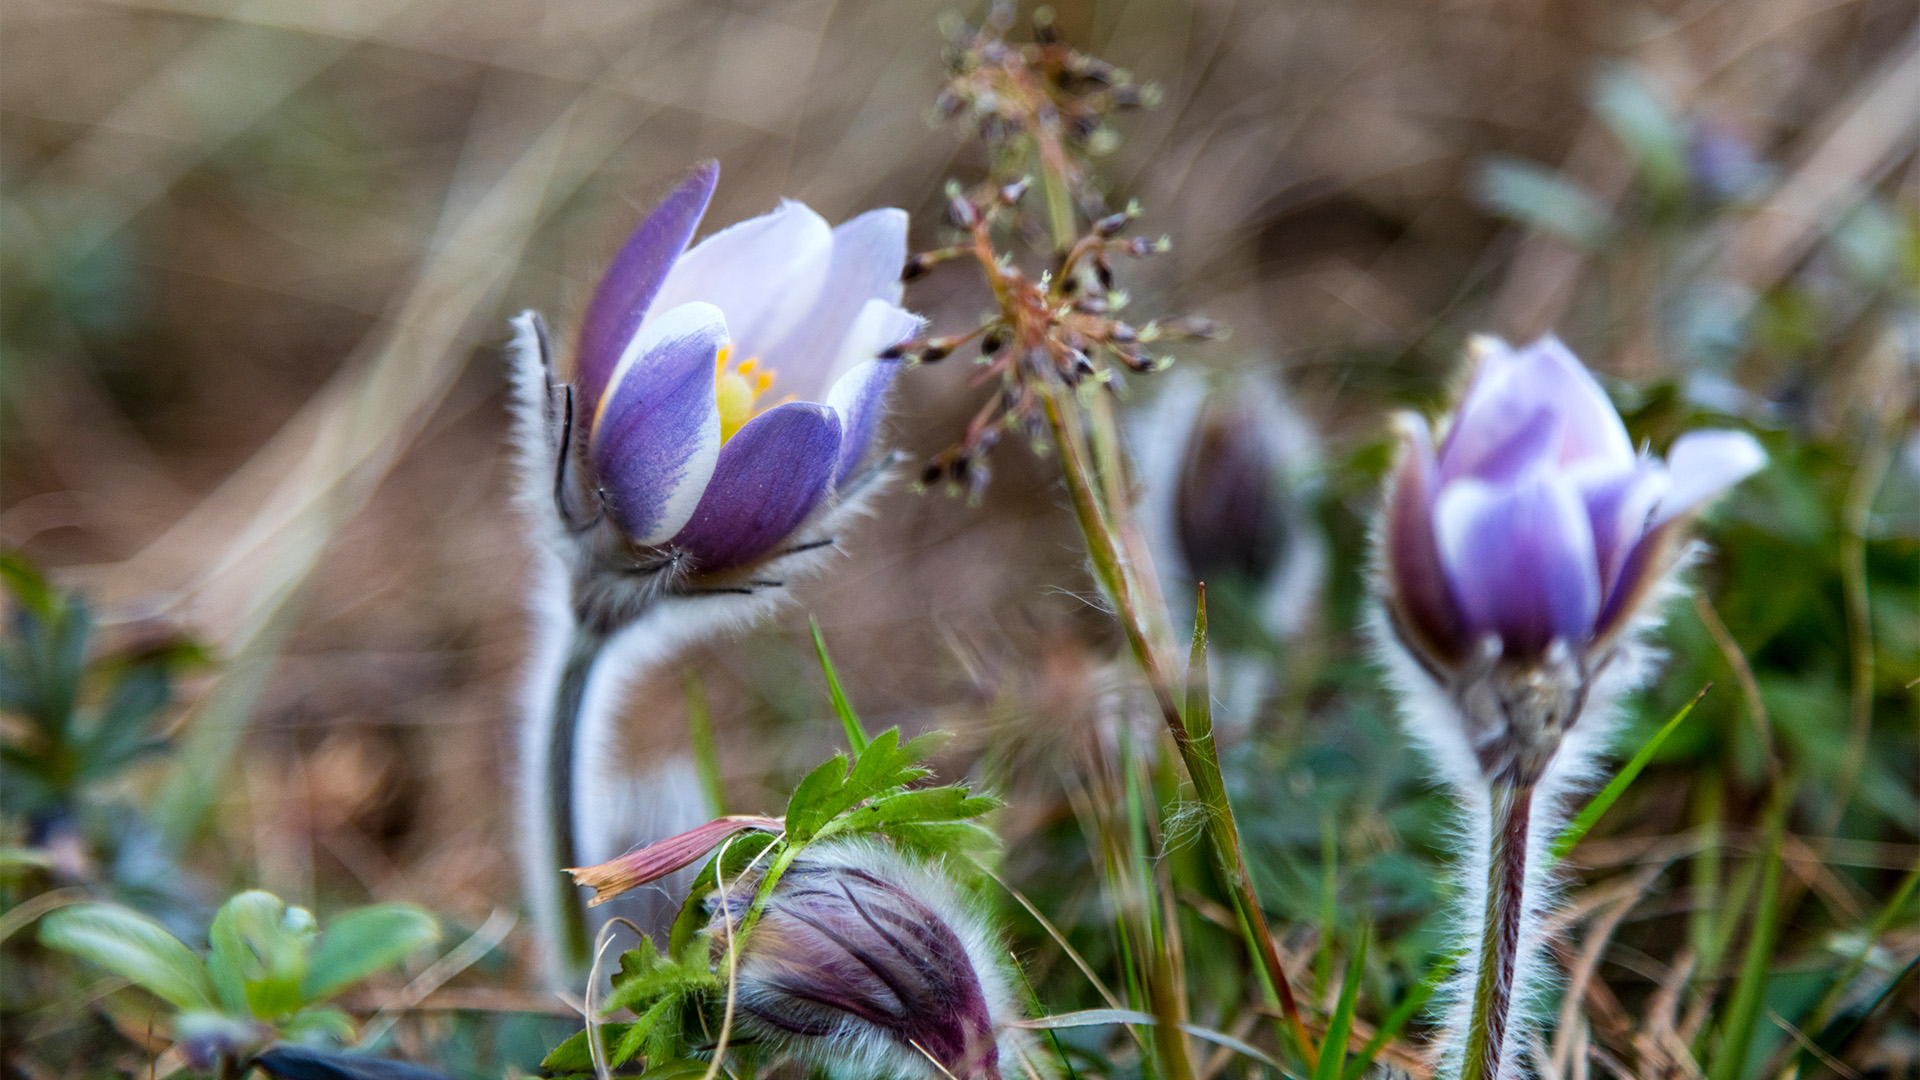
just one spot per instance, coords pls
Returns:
(934, 839)
(856, 737)
(574, 1055)
(1333, 1049)
(1645, 125)
(677, 1069)
(365, 940)
(259, 953)
(1533, 195)
(647, 978)
(309, 1025)
(732, 860)
(1590, 814)
(133, 946)
(810, 805)
(1408, 1008)
(946, 803)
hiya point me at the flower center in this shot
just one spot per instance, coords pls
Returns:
(737, 389)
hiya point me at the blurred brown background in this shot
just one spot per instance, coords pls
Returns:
(259, 256)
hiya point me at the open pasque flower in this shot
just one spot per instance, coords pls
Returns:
(1516, 556)
(726, 394)
(723, 401)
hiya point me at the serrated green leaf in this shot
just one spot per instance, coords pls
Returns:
(933, 839)
(946, 803)
(677, 1069)
(652, 1033)
(812, 800)
(260, 951)
(365, 940)
(134, 947)
(574, 1055)
(661, 980)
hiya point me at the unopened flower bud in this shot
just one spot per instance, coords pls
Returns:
(859, 956)
(1011, 194)
(1518, 553)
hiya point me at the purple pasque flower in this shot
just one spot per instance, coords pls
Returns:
(727, 392)
(869, 963)
(1524, 546)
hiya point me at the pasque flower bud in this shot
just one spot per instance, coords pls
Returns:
(866, 962)
(1516, 556)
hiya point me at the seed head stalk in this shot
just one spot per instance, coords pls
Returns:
(1085, 431)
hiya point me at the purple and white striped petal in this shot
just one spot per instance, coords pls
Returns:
(1702, 464)
(765, 273)
(869, 252)
(1520, 559)
(627, 291)
(859, 395)
(770, 477)
(657, 438)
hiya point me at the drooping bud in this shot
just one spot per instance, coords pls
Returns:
(862, 960)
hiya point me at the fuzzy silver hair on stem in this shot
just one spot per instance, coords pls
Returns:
(668, 502)
(869, 963)
(1520, 567)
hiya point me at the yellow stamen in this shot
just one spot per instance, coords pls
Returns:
(737, 389)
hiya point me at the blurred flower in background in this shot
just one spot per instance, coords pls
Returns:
(1230, 471)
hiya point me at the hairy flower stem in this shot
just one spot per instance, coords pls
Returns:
(1120, 578)
(563, 733)
(1487, 1025)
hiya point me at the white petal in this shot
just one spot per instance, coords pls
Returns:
(1702, 464)
(869, 252)
(765, 273)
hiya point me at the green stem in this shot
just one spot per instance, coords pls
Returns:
(1487, 1025)
(1198, 754)
(563, 732)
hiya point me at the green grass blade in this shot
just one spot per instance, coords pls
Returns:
(856, 737)
(1333, 1050)
(1590, 814)
(1749, 990)
(1408, 1008)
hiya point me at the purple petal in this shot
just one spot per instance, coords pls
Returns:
(868, 254)
(1593, 429)
(765, 273)
(1520, 559)
(1619, 507)
(859, 395)
(656, 441)
(1702, 464)
(630, 284)
(859, 399)
(771, 475)
(1417, 591)
(1537, 405)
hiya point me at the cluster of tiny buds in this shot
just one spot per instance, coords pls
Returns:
(1045, 91)
(1060, 329)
